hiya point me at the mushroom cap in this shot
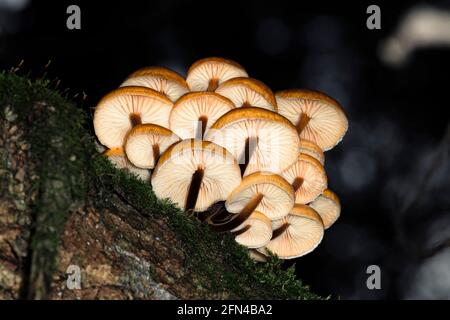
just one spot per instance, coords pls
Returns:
(327, 123)
(328, 207)
(160, 79)
(214, 68)
(119, 160)
(311, 174)
(173, 173)
(192, 106)
(312, 149)
(140, 141)
(249, 92)
(277, 139)
(277, 195)
(112, 114)
(259, 232)
(302, 235)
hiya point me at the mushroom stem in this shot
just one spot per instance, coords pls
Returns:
(240, 231)
(212, 85)
(252, 204)
(278, 232)
(194, 189)
(201, 128)
(246, 104)
(221, 217)
(135, 119)
(297, 183)
(302, 122)
(216, 210)
(249, 148)
(258, 254)
(237, 219)
(156, 152)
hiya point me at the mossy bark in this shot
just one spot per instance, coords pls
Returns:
(61, 205)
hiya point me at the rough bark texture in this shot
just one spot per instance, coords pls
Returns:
(62, 205)
(16, 195)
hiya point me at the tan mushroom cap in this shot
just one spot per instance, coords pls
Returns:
(318, 117)
(328, 207)
(206, 74)
(273, 139)
(146, 142)
(119, 160)
(248, 92)
(312, 149)
(160, 79)
(301, 232)
(176, 168)
(307, 177)
(121, 109)
(197, 108)
(273, 195)
(256, 231)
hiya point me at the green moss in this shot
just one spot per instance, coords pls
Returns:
(70, 172)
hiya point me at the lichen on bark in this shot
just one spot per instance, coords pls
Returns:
(62, 204)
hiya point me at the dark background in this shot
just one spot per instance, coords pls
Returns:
(392, 169)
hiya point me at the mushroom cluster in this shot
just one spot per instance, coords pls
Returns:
(223, 146)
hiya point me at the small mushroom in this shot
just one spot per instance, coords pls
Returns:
(328, 207)
(119, 160)
(295, 235)
(312, 149)
(260, 139)
(248, 92)
(318, 118)
(206, 74)
(146, 142)
(194, 174)
(307, 177)
(195, 112)
(126, 107)
(255, 232)
(163, 80)
(265, 192)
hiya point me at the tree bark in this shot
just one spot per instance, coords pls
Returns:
(64, 209)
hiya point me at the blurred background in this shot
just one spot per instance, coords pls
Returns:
(391, 171)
